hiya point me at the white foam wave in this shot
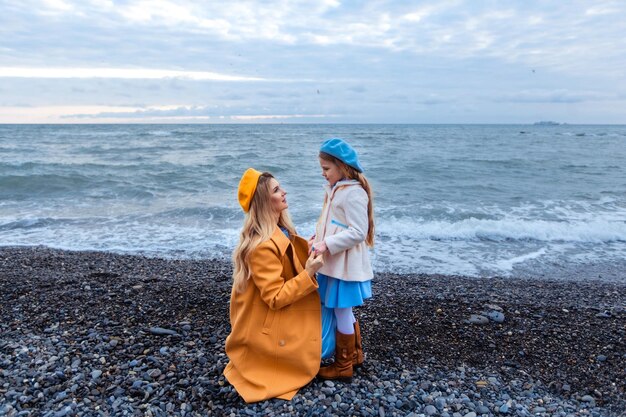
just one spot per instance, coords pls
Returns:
(507, 264)
(598, 230)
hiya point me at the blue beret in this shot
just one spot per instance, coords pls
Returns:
(341, 150)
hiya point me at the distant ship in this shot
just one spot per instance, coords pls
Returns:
(547, 123)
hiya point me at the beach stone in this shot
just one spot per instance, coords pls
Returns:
(63, 412)
(504, 409)
(6, 409)
(477, 319)
(601, 358)
(496, 316)
(95, 374)
(481, 409)
(588, 399)
(160, 331)
(154, 373)
(430, 410)
(440, 403)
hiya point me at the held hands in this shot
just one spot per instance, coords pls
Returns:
(319, 247)
(314, 263)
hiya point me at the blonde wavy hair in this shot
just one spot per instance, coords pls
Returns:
(258, 226)
(353, 174)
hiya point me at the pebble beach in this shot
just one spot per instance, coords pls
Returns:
(99, 334)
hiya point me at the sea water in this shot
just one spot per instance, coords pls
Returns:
(476, 200)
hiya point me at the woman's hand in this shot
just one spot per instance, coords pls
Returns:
(310, 242)
(314, 263)
(319, 247)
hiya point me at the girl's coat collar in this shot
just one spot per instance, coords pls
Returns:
(343, 183)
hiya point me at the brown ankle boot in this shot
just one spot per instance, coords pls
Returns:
(358, 357)
(341, 369)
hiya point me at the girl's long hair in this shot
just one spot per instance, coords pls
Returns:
(353, 174)
(258, 226)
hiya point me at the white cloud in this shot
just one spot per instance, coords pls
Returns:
(555, 96)
(57, 5)
(123, 73)
(279, 116)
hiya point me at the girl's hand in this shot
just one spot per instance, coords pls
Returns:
(319, 247)
(313, 264)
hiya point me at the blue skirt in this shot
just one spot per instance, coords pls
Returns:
(337, 293)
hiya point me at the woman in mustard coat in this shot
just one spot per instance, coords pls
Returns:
(274, 346)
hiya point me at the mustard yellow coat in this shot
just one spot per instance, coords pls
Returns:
(274, 346)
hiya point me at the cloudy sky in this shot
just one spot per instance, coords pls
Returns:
(322, 61)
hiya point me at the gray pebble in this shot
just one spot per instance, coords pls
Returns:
(440, 403)
(496, 316)
(477, 319)
(160, 331)
(430, 410)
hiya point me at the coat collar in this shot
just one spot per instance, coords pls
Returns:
(343, 183)
(282, 242)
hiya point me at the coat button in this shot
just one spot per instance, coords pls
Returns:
(281, 342)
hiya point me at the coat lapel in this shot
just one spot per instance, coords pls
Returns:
(283, 244)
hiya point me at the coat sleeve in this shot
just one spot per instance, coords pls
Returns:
(267, 273)
(358, 223)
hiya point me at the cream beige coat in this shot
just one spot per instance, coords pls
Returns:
(275, 343)
(343, 226)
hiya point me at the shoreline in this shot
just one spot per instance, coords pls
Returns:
(590, 271)
(77, 324)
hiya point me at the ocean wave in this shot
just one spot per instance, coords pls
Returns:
(593, 231)
(14, 186)
(205, 213)
(37, 223)
(74, 187)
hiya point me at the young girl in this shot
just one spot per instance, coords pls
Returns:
(274, 345)
(343, 233)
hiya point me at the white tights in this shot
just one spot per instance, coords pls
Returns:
(345, 320)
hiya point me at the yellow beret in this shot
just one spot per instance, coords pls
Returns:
(247, 186)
